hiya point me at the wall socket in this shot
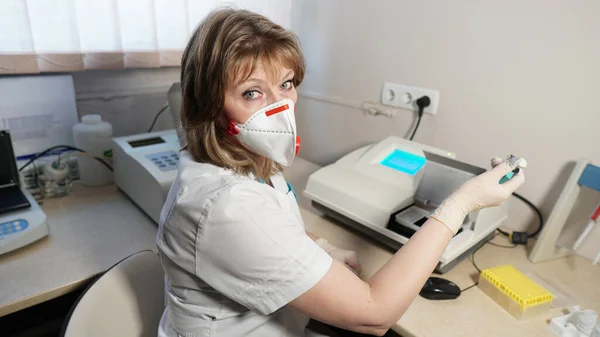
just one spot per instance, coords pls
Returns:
(405, 97)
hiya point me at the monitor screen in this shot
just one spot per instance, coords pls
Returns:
(404, 162)
(8, 165)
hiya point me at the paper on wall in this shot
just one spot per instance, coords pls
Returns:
(39, 111)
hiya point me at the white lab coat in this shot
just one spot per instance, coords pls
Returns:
(235, 252)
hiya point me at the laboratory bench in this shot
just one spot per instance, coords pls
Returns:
(94, 228)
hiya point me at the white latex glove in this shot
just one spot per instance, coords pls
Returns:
(479, 192)
(347, 257)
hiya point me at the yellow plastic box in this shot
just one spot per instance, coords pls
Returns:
(515, 292)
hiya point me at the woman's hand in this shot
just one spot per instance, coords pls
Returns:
(479, 192)
(347, 257)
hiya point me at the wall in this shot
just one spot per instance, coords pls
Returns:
(514, 77)
(128, 99)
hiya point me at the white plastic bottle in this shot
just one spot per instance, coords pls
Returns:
(94, 137)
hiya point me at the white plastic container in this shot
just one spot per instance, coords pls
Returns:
(94, 137)
(576, 323)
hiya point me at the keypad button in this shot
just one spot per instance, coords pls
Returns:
(15, 223)
(18, 228)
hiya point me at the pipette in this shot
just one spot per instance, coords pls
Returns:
(588, 229)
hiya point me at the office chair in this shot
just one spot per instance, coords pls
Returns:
(127, 300)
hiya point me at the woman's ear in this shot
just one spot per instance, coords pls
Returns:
(223, 123)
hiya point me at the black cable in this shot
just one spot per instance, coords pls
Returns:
(416, 127)
(156, 117)
(521, 237)
(422, 103)
(472, 258)
(469, 287)
(536, 210)
(507, 234)
(37, 156)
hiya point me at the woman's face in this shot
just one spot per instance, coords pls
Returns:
(260, 89)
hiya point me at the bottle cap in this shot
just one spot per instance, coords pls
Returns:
(91, 119)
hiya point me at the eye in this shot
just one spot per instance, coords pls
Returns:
(287, 85)
(251, 94)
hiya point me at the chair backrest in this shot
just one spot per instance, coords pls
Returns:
(127, 300)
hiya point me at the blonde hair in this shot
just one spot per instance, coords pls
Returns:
(227, 43)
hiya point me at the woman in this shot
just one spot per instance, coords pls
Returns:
(237, 259)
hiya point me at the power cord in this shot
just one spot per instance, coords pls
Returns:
(68, 147)
(469, 287)
(422, 103)
(472, 258)
(157, 115)
(521, 238)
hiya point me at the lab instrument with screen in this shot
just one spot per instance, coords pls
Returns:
(404, 162)
(145, 166)
(22, 221)
(387, 191)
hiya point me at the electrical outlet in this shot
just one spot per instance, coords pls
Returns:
(405, 97)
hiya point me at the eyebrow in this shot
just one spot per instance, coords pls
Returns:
(251, 79)
(259, 80)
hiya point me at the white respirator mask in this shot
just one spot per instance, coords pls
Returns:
(270, 132)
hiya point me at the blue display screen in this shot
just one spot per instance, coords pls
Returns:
(404, 162)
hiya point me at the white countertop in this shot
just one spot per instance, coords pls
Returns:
(95, 228)
(90, 231)
(473, 313)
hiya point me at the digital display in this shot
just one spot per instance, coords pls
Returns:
(146, 142)
(404, 162)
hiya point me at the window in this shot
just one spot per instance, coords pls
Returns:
(71, 35)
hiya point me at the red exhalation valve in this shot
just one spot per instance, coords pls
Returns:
(297, 144)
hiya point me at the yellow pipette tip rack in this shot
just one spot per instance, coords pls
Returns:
(514, 291)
